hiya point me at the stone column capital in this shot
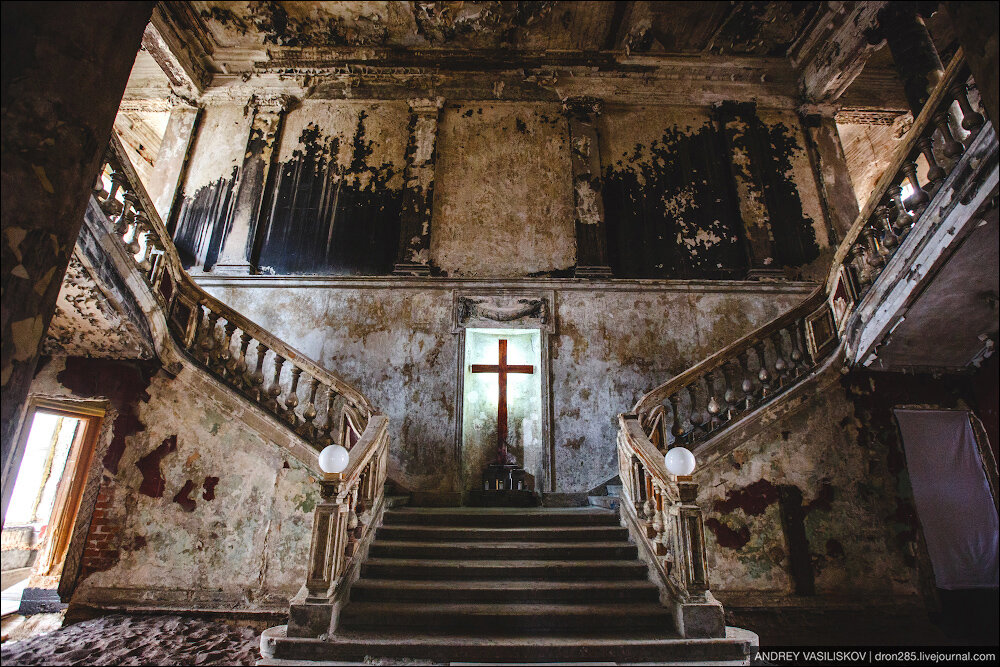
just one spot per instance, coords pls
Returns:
(271, 104)
(425, 106)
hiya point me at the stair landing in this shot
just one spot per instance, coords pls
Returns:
(499, 585)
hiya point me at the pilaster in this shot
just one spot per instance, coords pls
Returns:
(746, 156)
(235, 255)
(840, 203)
(414, 253)
(585, 151)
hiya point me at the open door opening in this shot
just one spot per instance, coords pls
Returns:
(57, 451)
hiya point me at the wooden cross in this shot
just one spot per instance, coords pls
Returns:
(502, 369)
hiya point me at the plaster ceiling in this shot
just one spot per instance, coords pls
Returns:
(749, 28)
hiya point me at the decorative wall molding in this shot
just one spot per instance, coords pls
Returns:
(507, 309)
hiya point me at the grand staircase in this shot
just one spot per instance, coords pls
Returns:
(504, 585)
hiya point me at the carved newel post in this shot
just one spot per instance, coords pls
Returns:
(237, 247)
(699, 613)
(414, 254)
(311, 611)
(585, 151)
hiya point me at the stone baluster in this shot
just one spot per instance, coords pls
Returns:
(696, 416)
(111, 206)
(127, 213)
(330, 422)
(951, 148)
(292, 400)
(888, 241)
(714, 407)
(659, 525)
(919, 199)
(274, 391)
(208, 342)
(654, 521)
(971, 119)
(731, 395)
(780, 363)
(747, 384)
(352, 523)
(676, 427)
(139, 220)
(144, 231)
(239, 369)
(225, 356)
(764, 375)
(257, 377)
(798, 354)
(903, 221)
(935, 172)
(874, 255)
(862, 267)
(309, 412)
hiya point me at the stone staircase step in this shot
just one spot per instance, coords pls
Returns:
(506, 592)
(378, 647)
(489, 517)
(505, 550)
(502, 570)
(450, 534)
(506, 618)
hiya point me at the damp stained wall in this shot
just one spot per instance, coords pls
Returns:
(807, 506)
(503, 192)
(177, 467)
(396, 344)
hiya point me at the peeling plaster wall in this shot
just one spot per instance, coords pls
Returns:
(209, 186)
(395, 344)
(670, 201)
(336, 200)
(503, 192)
(806, 506)
(176, 477)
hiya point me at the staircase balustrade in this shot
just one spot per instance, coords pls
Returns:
(704, 402)
(242, 355)
(269, 373)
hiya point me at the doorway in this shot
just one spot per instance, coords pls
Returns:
(481, 403)
(57, 448)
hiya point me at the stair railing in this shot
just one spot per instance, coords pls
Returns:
(271, 374)
(706, 400)
(318, 406)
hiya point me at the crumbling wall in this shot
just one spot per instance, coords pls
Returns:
(176, 469)
(395, 343)
(503, 199)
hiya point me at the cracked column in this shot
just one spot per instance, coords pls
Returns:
(585, 152)
(237, 248)
(736, 122)
(414, 254)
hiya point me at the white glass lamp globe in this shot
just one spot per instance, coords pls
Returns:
(333, 459)
(679, 461)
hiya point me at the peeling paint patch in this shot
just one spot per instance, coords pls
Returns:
(153, 483)
(183, 497)
(209, 487)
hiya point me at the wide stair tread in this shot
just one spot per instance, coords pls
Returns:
(451, 534)
(418, 568)
(504, 550)
(493, 517)
(662, 646)
(525, 591)
(464, 618)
